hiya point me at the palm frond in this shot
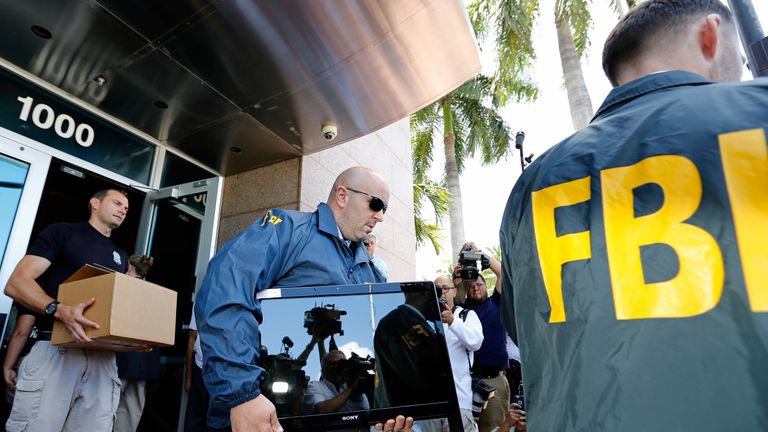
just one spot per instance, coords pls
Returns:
(428, 232)
(576, 14)
(438, 197)
(487, 131)
(423, 130)
(480, 14)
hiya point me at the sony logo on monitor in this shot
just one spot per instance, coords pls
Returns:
(350, 417)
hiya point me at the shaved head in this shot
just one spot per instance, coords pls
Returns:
(353, 176)
(352, 200)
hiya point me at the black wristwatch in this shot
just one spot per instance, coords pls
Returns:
(51, 308)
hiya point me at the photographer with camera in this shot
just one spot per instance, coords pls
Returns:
(463, 336)
(491, 359)
(338, 388)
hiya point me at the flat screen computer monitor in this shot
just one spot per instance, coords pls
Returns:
(383, 342)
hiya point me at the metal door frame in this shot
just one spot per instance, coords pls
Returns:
(209, 225)
(29, 202)
(208, 235)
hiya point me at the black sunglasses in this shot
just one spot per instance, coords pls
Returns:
(376, 204)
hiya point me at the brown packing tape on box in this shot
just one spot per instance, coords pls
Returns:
(132, 313)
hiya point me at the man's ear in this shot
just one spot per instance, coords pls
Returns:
(94, 203)
(709, 35)
(341, 195)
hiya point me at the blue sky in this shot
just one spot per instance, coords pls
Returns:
(286, 318)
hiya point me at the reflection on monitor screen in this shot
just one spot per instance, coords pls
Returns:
(384, 351)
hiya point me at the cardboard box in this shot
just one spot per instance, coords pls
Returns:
(132, 313)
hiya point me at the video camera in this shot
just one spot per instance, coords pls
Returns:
(358, 367)
(362, 369)
(326, 320)
(285, 381)
(468, 260)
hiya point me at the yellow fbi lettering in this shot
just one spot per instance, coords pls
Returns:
(269, 217)
(415, 335)
(698, 285)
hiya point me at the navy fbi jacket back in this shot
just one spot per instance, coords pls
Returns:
(637, 253)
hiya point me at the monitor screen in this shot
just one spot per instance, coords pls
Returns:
(349, 356)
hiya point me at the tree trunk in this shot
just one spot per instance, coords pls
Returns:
(578, 96)
(455, 210)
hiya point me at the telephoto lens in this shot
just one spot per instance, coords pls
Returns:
(481, 394)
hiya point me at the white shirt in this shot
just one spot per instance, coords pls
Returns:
(463, 336)
(196, 348)
(513, 351)
(323, 390)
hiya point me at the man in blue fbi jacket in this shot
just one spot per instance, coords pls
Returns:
(282, 249)
(635, 249)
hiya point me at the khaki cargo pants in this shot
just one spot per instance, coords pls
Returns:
(65, 390)
(493, 415)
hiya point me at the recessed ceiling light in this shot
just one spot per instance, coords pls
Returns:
(160, 104)
(41, 31)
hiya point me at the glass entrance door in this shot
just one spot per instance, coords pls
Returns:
(180, 224)
(22, 176)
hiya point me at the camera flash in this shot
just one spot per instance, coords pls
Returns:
(279, 387)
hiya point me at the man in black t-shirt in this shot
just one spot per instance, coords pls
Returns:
(67, 388)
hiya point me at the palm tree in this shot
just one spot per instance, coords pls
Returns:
(437, 195)
(468, 122)
(513, 23)
(572, 22)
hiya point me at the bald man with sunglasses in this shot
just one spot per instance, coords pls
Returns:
(282, 249)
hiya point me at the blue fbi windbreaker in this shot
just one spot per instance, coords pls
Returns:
(635, 258)
(282, 249)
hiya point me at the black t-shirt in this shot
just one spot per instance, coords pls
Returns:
(139, 365)
(493, 351)
(69, 246)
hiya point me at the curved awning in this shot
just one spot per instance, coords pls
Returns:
(259, 75)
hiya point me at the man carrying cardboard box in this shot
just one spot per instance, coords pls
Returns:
(67, 388)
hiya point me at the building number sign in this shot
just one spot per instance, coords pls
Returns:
(64, 125)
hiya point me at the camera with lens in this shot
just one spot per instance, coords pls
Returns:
(482, 392)
(324, 321)
(468, 260)
(519, 398)
(443, 304)
(362, 369)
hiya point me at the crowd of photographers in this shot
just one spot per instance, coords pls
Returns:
(494, 375)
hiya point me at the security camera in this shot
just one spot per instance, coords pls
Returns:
(329, 131)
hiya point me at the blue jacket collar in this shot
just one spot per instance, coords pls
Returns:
(647, 84)
(326, 221)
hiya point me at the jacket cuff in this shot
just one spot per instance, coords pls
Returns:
(242, 399)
